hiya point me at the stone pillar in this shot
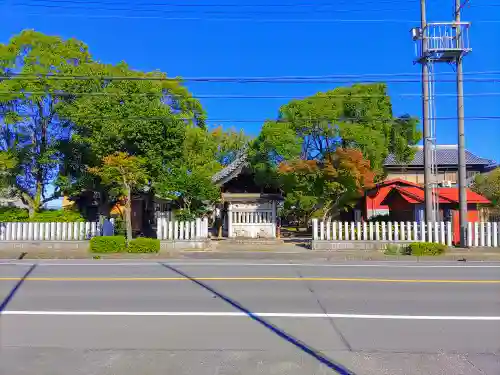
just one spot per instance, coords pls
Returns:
(273, 218)
(230, 220)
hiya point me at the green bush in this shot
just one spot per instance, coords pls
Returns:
(425, 248)
(107, 244)
(57, 216)
(13, 214)
(144, 245)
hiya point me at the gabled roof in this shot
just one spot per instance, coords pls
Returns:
(446, 195)
(231, 170)
(445, 155)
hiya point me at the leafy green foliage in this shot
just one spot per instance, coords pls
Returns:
(488, 185)
(14, 214)
(189, 179)
(32, 130)
(357, 121)
(425, 249)
(144, 245)
(107, 244)
(124, 173)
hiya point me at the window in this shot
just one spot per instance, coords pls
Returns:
(471, 174)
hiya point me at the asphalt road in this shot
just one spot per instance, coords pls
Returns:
(225, 318)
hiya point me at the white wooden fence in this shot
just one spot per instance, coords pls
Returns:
(182, 230)
(75, 231)
(479, 234)
(484, 234)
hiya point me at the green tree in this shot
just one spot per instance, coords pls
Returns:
(124, 173)
(322, 133)
(142, 114)
(32, 130)
(204, 153)
(488, 185)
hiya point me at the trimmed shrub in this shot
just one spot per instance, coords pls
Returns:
(57, 216)
(391, 249)
(13, 214)
(425, 249)
(144, 245)
(107, 244)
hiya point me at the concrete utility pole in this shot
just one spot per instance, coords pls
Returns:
(425, 111)
(462, 170)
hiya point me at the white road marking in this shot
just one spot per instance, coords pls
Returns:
(241, 314)
(224, 264)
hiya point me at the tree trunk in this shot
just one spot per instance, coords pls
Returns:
(128, 213)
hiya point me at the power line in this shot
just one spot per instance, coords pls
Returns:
(297, 80)
(218, 11)
(235, 96)
(233, 5)
(483, 72)
(156, 118)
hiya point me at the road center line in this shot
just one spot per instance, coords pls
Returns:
(241, 314)
(333, 279)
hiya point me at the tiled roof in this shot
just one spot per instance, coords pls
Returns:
(234, 167)
(446, 195)
(445, 155)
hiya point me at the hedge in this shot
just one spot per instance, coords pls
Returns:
(425, 248)
(107, 244)
(144, 245)
(14, 214)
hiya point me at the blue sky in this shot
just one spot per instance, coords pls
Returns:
(147, 39)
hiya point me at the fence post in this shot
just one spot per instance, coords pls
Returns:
(353, 234)
(328, 231)
(429, 231)
(415, 231)
(365, 231)
(481, 238)
(469, 234)
(476, 234)
(443, 234)
(383, 231)
(358, 230)
(321, 230)
(340, 230)
(495, 234)
(334, 230)
(371, 231)
(422, 231)
(22, 231)
(389, 231)
(198, 228)
(315, 229)
(159, 228)
(205, 227)
(488, 234)
(448, 233)
(396, 231)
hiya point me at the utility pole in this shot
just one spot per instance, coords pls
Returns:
(462, 170)
(425, 111)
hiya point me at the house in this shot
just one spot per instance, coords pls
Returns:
(402, 200)
(246, 209)
(446, 157)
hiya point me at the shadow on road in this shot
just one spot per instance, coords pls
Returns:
(296, 342)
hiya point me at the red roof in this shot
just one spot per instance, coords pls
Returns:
(472, 197)
(446, 195)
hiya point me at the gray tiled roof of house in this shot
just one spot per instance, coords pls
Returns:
(445, 155)
(240, 161)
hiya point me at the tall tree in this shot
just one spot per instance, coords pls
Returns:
(32, 130)
(488, 184)
(141, 114)
(123, 173)
(204, 153)
(343, 137)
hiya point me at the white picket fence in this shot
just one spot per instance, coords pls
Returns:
(479, 234)
(483, 234)
(182, 230)
(74, 231)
